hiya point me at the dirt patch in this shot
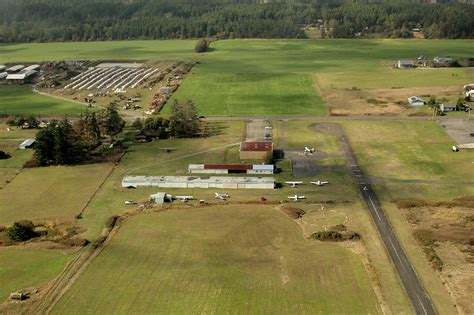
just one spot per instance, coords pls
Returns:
(379, 102)
(445, 231)
(293, 213)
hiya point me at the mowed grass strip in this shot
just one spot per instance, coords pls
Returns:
(408, 150)
(50, 192)
(16, 99)
(259, 94)
(234, 259)
(23, 268)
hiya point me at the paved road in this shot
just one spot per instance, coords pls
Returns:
(417, 294)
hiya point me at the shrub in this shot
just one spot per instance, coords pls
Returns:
(21, 231)
(201, 46)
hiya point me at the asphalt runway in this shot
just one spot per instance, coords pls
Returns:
(413, 286)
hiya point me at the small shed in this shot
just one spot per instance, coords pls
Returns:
(28, 143)
(403, 64)
(416, 101)
(447, 107)
(161, 197)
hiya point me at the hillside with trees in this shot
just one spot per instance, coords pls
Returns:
(70, 20)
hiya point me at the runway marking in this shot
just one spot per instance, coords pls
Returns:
(423, 306)
(396, 252)
(375, 208)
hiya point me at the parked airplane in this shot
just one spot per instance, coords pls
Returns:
(319, 183)
(308, 150)
(184, 198)
(221, 196)
(296, 197)
(294, 184)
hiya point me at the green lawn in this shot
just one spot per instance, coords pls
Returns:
(23, 268)
(235, 259)
(22, 100)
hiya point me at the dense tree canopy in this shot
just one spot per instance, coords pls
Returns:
(71, 20)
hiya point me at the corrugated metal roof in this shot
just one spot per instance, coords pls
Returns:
(265, 167)
(15, 68)
(21, 75)
(149, 180)
(256, 146)
(32, 67)
(233, 167)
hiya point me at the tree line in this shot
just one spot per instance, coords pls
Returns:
(70, 20)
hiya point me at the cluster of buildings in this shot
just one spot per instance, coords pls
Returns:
(421, 61)
(18, 73)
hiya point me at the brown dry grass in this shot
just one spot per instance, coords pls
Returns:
(445, 229)
(379, 101)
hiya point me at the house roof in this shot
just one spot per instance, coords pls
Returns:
(448, 105)
(256, 146)
(406, 62)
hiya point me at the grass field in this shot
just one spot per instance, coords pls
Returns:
(271, 77)
(236, 259)
(251, 94)
(9, 142)
(50, 192)
(22, 100)
(408, 150)
(23, 268)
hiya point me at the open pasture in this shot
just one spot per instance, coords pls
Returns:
(50, 192)
(220, 260)
(22, 100)
(23, 268)
(272, 77)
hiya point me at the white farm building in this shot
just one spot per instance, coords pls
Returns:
(230, 168)
(199, 182)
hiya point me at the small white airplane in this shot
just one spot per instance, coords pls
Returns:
(294, 184)
(296, 197)
(319, 183)
(184, 198)
(221, 196)
(308, 150)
